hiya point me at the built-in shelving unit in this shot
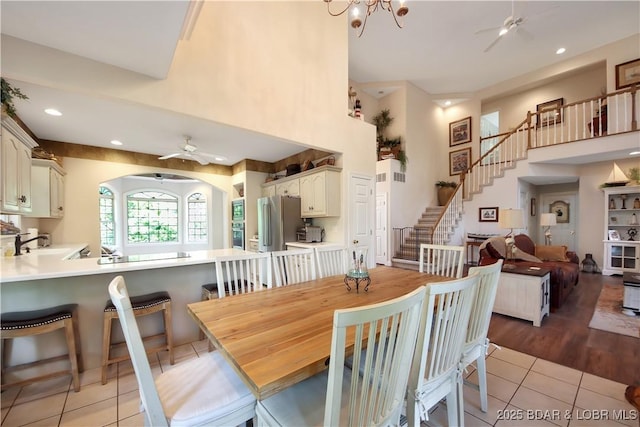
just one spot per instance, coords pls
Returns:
(622, 230)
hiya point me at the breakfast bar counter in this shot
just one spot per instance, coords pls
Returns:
(43, 278)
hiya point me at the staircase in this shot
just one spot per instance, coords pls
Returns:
(572, 122)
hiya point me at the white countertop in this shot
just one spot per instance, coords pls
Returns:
(304, 245)
(49, 263)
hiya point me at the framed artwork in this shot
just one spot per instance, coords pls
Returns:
(561, 209)
(460, 132)
(628, 74)
(534, 207)
(614, 235)
(550, 112)
(459, 161)
(488, 214)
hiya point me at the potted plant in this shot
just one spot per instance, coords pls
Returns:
(8, 94)
(388, 148)
(445, 191)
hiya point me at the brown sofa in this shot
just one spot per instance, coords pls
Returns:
(564, 273)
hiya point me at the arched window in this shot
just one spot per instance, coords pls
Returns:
(107, 218)
(197, 218)
(152, 217)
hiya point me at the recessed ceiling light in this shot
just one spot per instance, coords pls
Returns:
(561, 51)
(633, 153)
(52, 112)
(116, 142)
(220, 158)
(447, 103)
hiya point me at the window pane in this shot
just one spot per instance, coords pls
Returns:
(107, 223)
(197, 218)
(152, 217)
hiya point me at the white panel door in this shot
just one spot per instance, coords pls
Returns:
(361, 215)
(381, 229)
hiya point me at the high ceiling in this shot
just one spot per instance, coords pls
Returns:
(441, 49)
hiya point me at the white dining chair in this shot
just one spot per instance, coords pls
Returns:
(331, 260)
(436, 367)
(293, 266)
(202, 391)
(341, 396)
(443, 260)
(238, 274)
(477, 343)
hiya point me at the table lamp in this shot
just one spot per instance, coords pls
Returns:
(547, 220)
(510, 218)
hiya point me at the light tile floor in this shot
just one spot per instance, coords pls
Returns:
(523, 391)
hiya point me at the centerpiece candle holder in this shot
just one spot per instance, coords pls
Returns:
(358, 271)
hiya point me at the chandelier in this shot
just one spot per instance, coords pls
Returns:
(372, 6)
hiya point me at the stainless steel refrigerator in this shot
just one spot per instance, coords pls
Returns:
(278, 221)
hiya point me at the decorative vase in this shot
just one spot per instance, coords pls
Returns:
(444, 194)
(589, 265)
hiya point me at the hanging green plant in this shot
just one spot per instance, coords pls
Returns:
(8, 95)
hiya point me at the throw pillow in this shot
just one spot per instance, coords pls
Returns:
(552, 253)
(520, 254)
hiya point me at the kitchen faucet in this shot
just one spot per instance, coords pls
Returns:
(19, 242)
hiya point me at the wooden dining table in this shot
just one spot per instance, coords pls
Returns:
(275, 338)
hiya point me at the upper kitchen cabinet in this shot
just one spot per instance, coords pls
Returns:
(318, 189)
(288, 188)
(16, 168)
(320, 194)
(47, 189)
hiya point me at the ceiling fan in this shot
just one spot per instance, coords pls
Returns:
(511, 23)
(190, 151)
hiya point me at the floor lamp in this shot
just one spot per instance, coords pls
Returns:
(547, 220)
(510, 218)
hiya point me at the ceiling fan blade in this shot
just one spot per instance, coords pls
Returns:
(522, 32)
(492, 44)
(212, 156)
(169, 156)
(486, 30)
(198, 158)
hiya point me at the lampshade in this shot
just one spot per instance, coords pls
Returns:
(547, 219)
(511, 218)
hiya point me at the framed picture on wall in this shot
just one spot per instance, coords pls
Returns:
(628, 74)
(488, 214)
(561, 209)
(459, 161)
(460, 132)
(550, 112)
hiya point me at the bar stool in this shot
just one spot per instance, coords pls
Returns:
(142, 305)
(209, 291)
(36, 322)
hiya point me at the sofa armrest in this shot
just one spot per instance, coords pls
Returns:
(573, 257)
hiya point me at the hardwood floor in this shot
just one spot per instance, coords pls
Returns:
(565, 337)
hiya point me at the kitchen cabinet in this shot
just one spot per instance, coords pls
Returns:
(319, 190)
(16, 168)
(288, 188)
(320, 194)
(622, 215)
(47, 189)
(269, 190)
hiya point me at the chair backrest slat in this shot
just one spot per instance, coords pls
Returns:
(443, 329)
(384, 340)
(293, 266)
(154, 414)
(483, 304)
(443, 260)
(331, 261)
(242, 273)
